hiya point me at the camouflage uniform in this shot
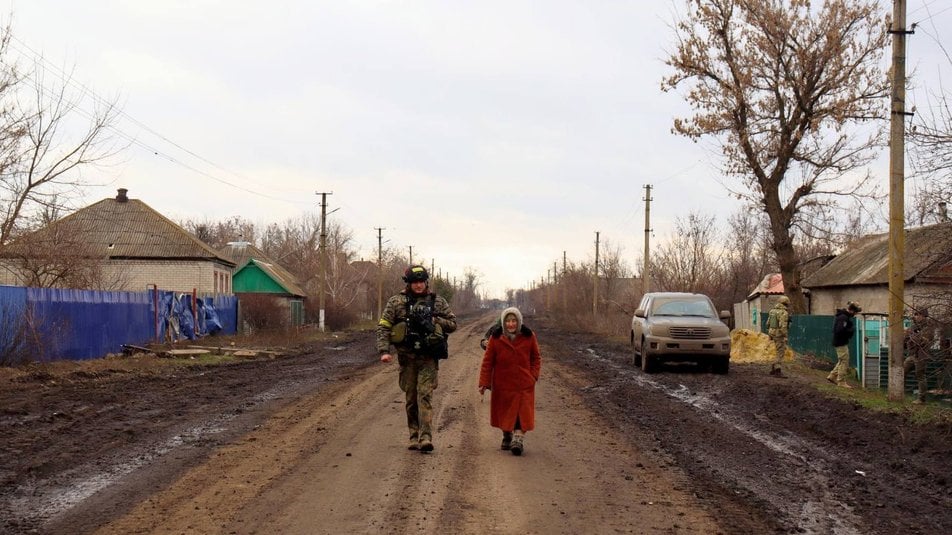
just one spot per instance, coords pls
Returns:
(778, 334)
(917, 341)
(843, 329)
(418, 372)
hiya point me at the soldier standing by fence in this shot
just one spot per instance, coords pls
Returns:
(843, 330)
(917, 341)
(778, 322)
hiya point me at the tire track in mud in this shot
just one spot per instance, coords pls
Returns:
(821, 511)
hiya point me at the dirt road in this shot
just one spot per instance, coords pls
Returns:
(336, 462)
(315, 444)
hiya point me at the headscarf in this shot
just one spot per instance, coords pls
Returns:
(515, 312)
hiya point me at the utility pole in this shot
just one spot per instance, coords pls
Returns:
(595, 299)
(564, 289)
(646, 270)
(897, 230)
(411, 255)
(379, 271)
(548, 291)
(323, 257)
(555, 278)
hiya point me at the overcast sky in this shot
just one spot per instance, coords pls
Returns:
(491, 135)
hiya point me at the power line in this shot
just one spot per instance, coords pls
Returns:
(84, 91)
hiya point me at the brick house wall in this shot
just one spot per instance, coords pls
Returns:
(205, 276)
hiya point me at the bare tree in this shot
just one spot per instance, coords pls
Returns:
(747, 254)
(690, 260)
(59, 256)
(217, 234)
(614, 273)
(931, 158)
(46, 139)
(783, 86)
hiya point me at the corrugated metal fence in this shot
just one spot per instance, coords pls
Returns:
(53, 323)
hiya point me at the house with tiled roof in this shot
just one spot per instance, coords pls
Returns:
(256, 274)
(116, 244)
(861, 272)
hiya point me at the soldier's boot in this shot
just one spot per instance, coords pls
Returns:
(414, 442)
(426, 443)
(518, 444)
(506, 440)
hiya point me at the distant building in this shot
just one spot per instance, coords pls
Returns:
(860, 273)
(257, 274)
(116, 244)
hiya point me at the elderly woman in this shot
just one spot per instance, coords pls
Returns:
(511, 367)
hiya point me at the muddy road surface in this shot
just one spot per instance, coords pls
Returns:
(315, 443)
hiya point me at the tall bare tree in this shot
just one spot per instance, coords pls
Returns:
(747, 255)
(690, 261)
(931, 141)
(784, 86)
(47, 138)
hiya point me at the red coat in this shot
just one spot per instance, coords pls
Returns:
(511, 368)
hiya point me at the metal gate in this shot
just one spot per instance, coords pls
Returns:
(873, 331)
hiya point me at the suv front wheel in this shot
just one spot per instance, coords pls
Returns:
(635, 355)
(648, 362)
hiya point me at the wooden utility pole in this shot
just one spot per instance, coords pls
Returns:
(646, 270)
(564, 288)
(323, 258)
(411, 255)
(595, 299)
(548, 291)
(897, 230)
(379, 271)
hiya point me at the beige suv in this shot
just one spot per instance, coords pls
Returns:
(671, 326)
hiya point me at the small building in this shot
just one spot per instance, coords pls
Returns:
(115, 244)
(861, 272)
(258, 277)
(750, 313)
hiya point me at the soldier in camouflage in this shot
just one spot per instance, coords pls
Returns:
(917, 341)
(415, 323)
(778, 322)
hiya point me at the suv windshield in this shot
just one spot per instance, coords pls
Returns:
(681, 307)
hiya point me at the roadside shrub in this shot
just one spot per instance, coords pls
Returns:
(262, 312)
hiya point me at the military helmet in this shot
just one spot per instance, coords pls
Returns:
(415, 273)
(784, 300)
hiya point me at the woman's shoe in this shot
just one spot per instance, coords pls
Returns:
(506, 440)
(517, 445)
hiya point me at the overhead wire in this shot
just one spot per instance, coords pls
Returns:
(26, 50)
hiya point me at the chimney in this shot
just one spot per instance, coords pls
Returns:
(121, 197)
(943, 212)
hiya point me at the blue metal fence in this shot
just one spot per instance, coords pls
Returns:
(60, 323)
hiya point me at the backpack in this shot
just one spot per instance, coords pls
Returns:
(773, 322)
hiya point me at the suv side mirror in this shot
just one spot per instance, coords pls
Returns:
(640, 313)
(725, 315)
